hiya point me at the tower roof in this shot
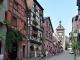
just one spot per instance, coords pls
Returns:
(60, 26)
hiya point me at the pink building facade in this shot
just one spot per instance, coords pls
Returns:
(48, 31)
(74, 23)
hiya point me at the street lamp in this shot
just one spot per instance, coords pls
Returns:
(28, 6)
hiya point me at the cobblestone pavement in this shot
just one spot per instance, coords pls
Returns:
(60, 56)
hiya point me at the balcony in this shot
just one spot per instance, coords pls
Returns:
(1, 1)
(35, 40)
(35, 22)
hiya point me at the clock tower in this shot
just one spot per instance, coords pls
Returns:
(60, 32)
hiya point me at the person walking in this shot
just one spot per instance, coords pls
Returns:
(6, 57)
(46, 53)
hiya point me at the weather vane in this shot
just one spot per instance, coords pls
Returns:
(60, 21)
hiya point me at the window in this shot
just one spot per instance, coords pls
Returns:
(34, 16)
(51, 37)
(47, 24)
(24, 26)
(34, 5)
(15, 6)
(46, 33)
(14, 21)
(40, 11)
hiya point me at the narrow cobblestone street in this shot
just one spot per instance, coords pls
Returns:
(61, 56)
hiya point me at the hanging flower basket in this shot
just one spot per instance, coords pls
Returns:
(35, 9)
(1, 1)
(35, 22)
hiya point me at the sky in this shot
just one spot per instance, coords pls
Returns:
(58, 10)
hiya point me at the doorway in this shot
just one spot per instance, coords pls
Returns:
(23, 51)
(13, 54)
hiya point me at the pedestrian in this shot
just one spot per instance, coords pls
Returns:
(46, 53)
(6, 57)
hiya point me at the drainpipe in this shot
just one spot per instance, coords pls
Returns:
(27, 16)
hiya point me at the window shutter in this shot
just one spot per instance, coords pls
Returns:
(2, 14)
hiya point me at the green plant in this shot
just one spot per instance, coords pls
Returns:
(30, 53)
(74, 45)
(4, 23)
(75, 31)
(12, 35)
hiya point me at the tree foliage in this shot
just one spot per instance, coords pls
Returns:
(74, 45)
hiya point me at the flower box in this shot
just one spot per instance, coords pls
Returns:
(35, 9)
(34, 32)
(35, 22)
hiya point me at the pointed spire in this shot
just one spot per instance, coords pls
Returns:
(60, 21)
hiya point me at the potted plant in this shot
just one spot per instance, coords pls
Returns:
(30, 54)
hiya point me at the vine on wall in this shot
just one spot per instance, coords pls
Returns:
(12, 35)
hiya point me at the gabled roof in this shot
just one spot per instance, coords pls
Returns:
(45, 18)
(60, 27)
(75, 18)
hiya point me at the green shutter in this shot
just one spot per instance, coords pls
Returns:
(3, 15)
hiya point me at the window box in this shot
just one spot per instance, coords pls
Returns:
(35, 9)
(35, 22)
(34, 33)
